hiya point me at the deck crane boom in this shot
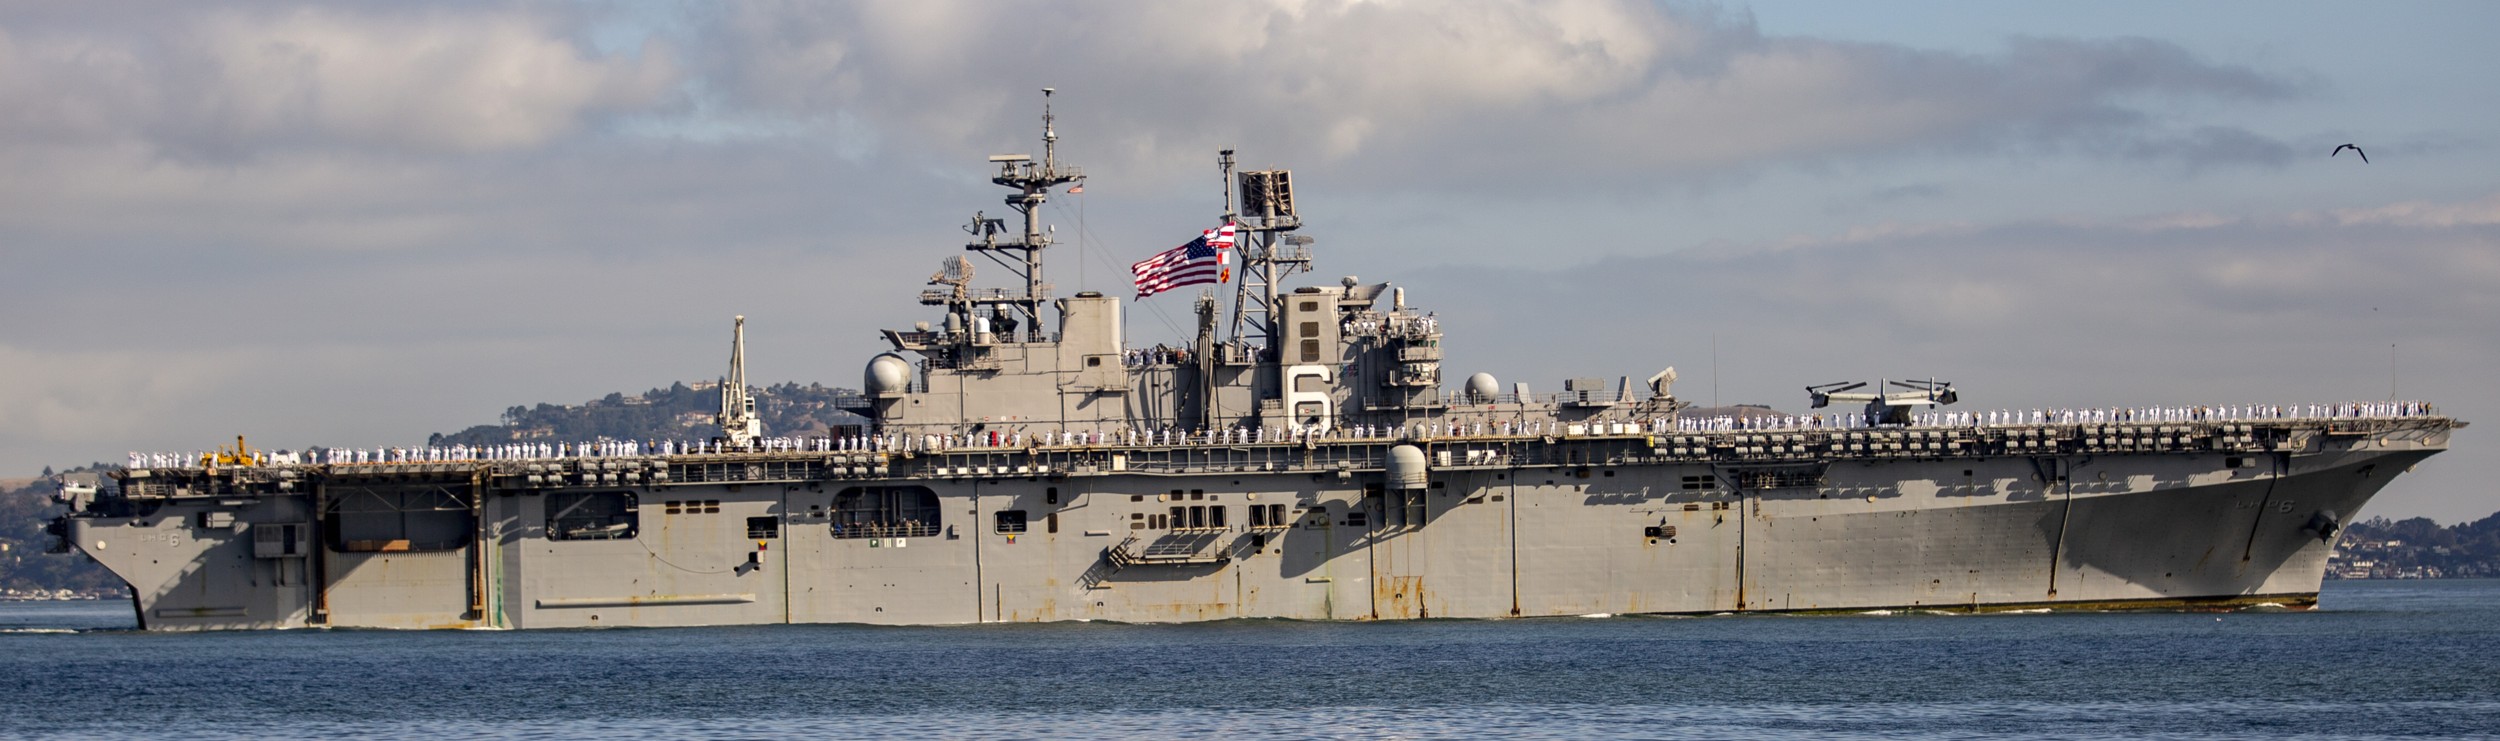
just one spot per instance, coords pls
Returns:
(739, 427)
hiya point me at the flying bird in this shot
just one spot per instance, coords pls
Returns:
(2365, 156)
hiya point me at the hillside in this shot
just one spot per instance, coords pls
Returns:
(679, 412)
(25, 507)
(2418, 548)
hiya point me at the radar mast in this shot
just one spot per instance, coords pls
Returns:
(1022, 254)
(1268, 253)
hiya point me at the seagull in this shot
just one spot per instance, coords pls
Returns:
(2365, 156)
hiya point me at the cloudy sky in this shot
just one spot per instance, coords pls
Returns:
(359, 224)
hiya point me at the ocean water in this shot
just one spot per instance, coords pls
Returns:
(2379, 660)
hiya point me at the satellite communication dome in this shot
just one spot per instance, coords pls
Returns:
(1407, 468)
(888, 373)
(1483, 387)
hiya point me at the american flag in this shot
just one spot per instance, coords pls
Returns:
(1204, 260)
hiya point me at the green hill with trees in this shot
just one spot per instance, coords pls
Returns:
(26, 570)
(2418, 548)
(679, 412)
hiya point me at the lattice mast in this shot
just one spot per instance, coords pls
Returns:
(1022, 255)
(1268, 253)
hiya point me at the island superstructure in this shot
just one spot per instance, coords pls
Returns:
(1298, 456)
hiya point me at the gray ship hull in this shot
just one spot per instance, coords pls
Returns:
(1990, 519)
(1020, 460)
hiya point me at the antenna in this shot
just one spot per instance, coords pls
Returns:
(1050, 132)
(953, 271)
(1224, 161)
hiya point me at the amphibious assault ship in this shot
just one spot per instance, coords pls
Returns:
(1299, 457)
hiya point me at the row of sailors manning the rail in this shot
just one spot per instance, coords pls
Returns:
(2077, 416)
(1390, 325)
(506, 452)
(1256, 435)
(2243, 413)
(1393, 324)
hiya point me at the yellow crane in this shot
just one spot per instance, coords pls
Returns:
(241, 455)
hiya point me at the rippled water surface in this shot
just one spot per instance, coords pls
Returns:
(2381, 659)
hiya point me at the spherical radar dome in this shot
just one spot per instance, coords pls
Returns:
(888, 373)
(1483, 386)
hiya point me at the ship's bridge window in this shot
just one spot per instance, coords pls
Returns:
(592, 515)
(391, 521)
(885, 512)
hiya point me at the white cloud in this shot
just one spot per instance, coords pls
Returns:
(2414, 213)
(231, 83)
(1599, 89)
